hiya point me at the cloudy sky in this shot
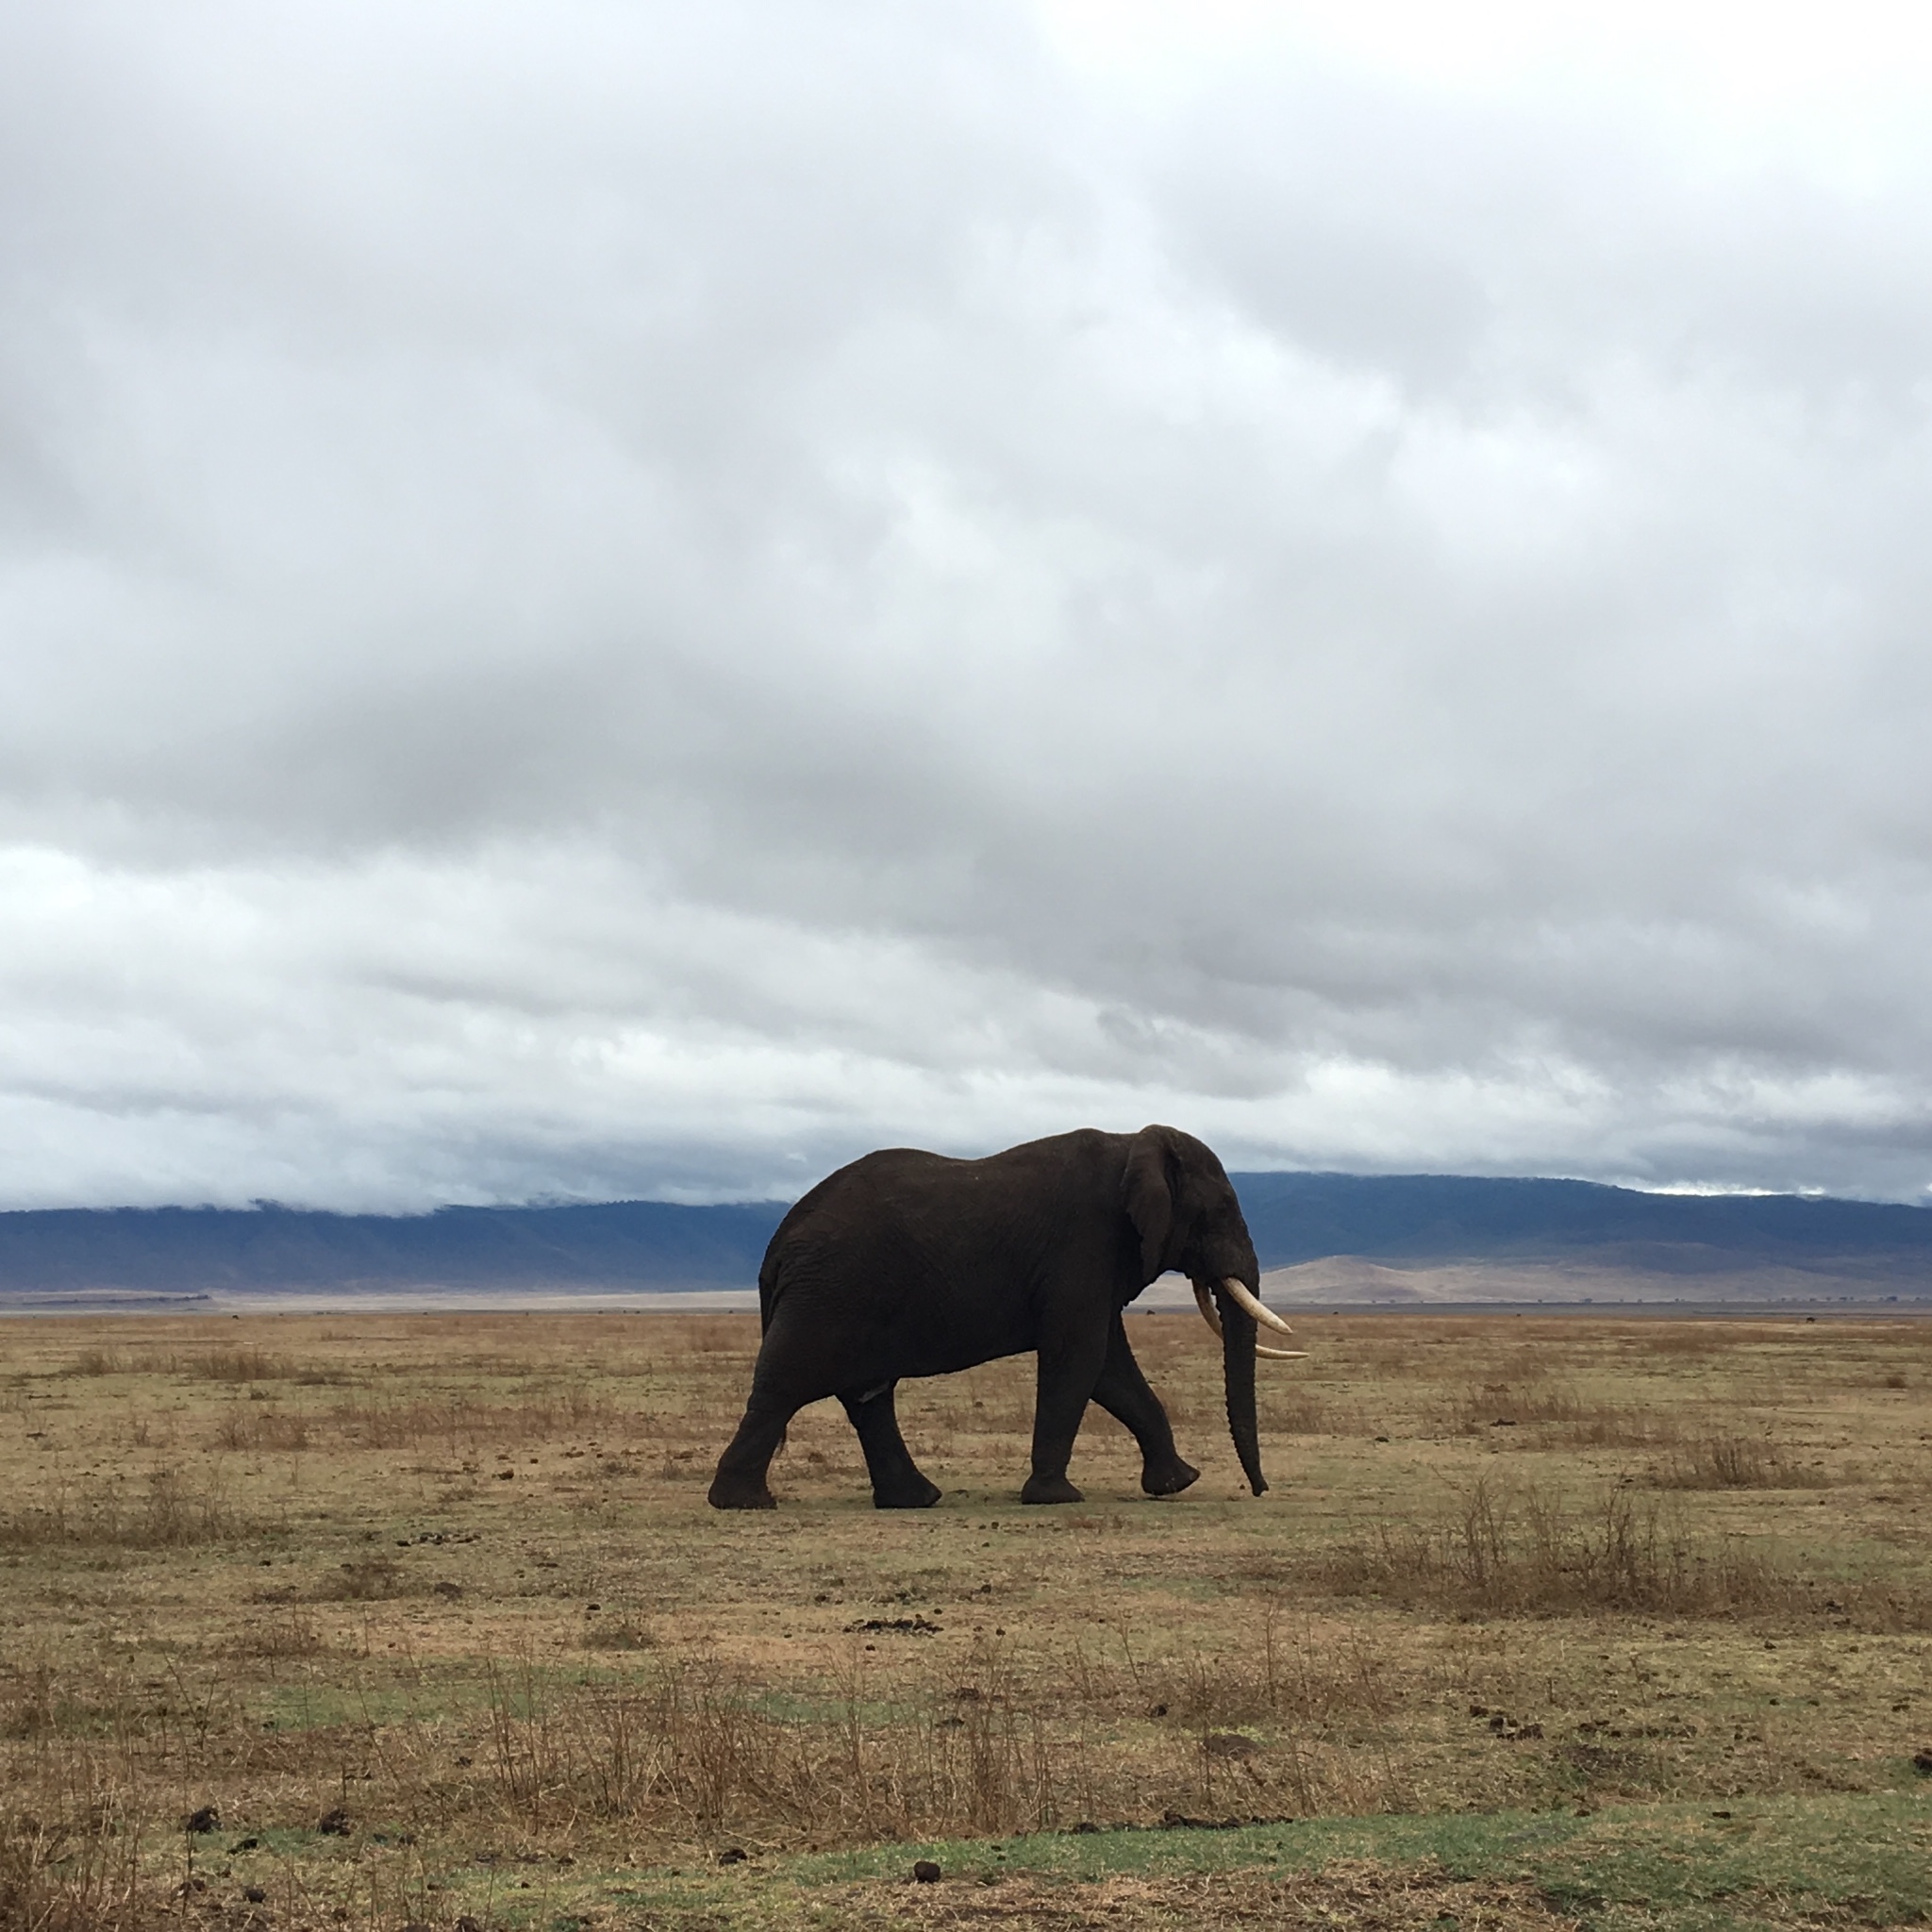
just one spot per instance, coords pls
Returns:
(614, 599)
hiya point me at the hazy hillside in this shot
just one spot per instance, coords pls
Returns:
(1404, 1235)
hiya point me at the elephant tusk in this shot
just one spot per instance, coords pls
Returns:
(1213, 1320)
(1249, 1304)
(1206, 1302)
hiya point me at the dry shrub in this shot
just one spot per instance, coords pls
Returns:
(1612, 1425)
(45, 1700)
(244, 1428)
(1876, 1606)
(1300, 1411)
(32, 1707)
(1289, 1667)
(100, 1362)
(1560, 1414)
(71, 1857)
(1294, 1720)
(1526, 1551)
(366, 1579)
(1722, 1460)
(169, 1511)
(1321, 1700)
(1315, 1678)
(463, 1421)
(688, 1749)
(625, 1630)
(290, 1633)
(693, 1465)
(233, 1365)
(1698, 1337)
(1518, 1400)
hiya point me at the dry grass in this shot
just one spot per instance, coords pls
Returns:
(455, 1576)
(163, 1509)
(1520, 1550)
(1725, 1460)
(689, 1743)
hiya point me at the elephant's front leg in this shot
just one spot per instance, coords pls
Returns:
(1071, 1355)
(897, 1480)
(1122, 1392)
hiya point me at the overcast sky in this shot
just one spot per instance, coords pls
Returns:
(635, 599)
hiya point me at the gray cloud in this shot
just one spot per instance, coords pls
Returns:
(608, 600)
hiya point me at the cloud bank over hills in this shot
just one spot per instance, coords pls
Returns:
(605, 600)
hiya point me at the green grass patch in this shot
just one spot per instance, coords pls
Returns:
(1864, 1859)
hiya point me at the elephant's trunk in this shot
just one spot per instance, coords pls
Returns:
(1238, 1366)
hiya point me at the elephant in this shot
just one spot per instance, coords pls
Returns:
(907, 1263)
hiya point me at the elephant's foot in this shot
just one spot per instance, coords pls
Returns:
(736, 1492)
(1050, 1489)
(1171, 1479)
(916, 1494)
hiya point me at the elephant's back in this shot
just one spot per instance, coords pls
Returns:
(867, 1200)
(904, 1213)
(921, 1263)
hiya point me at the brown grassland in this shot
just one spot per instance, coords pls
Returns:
(396, 1620)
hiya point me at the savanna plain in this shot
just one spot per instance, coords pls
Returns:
(422, 1620)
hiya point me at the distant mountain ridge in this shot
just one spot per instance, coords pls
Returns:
(1398, 1221)
(1450, 1217)
(614, 1246)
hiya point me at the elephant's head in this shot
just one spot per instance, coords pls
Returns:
(1182, 1207)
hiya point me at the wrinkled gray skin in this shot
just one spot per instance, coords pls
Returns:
(913, 1264)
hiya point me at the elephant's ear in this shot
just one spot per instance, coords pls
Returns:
(1147, 1194)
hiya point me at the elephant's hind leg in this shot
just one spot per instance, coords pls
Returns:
(897, 1480)
(784, 1379)
(741, 1483)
